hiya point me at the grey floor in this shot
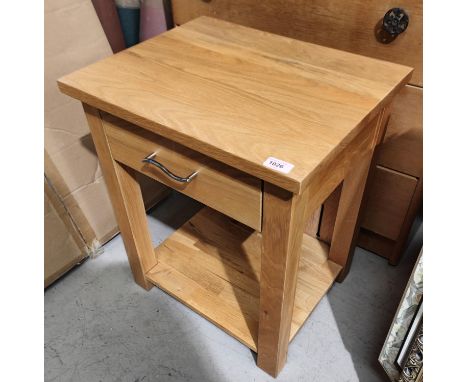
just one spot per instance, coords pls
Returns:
(100, 326)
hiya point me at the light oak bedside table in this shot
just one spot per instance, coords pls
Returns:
(261, 129)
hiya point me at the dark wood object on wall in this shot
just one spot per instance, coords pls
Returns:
(107, 13)
(395, 192)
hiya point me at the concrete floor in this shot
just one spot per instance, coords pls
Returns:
(100, 326)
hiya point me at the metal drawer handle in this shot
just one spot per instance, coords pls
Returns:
(150, 159)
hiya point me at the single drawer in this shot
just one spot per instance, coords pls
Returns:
(389, 198)
(355, 26)
(221, 187)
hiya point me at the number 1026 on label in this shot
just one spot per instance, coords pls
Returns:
(278, 165)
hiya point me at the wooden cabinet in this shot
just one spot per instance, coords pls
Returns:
(395, 192)
(389, 196)
(402, 148)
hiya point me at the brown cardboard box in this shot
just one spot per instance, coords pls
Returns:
(63, 246)
(73, 39)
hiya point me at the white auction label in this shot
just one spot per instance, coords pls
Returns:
(278, 165)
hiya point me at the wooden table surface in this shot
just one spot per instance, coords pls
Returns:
(241, 95)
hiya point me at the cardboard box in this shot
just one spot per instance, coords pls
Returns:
(63, 246)
(73, 39)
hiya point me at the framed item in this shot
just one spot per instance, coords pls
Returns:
(401, 355)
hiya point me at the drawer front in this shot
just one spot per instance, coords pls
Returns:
(216, 185)
(389, 198)
(402, 148)
(354, 26)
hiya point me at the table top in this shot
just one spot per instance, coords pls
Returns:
(242, 96)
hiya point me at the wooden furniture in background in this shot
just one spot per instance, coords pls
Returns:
(107, 13)
(355, 27)
(215, 100)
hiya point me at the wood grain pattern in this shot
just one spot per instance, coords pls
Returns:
(218, 186)
(349, 26)
(394, 200)
(323, 187)
(340, 24)
(352, 202)
(313, 224)
(389, 197)
(240, 95)
(212, 264)
(402, 148)
(125, 194)
(284, 220)
(329, 211)
(375, 243)
(394, 196)
(414, 207)
(348, 216)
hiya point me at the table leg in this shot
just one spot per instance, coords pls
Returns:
(283, 227)
(351, 203)
(125, 194)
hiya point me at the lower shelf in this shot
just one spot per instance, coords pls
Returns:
(212, 265)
